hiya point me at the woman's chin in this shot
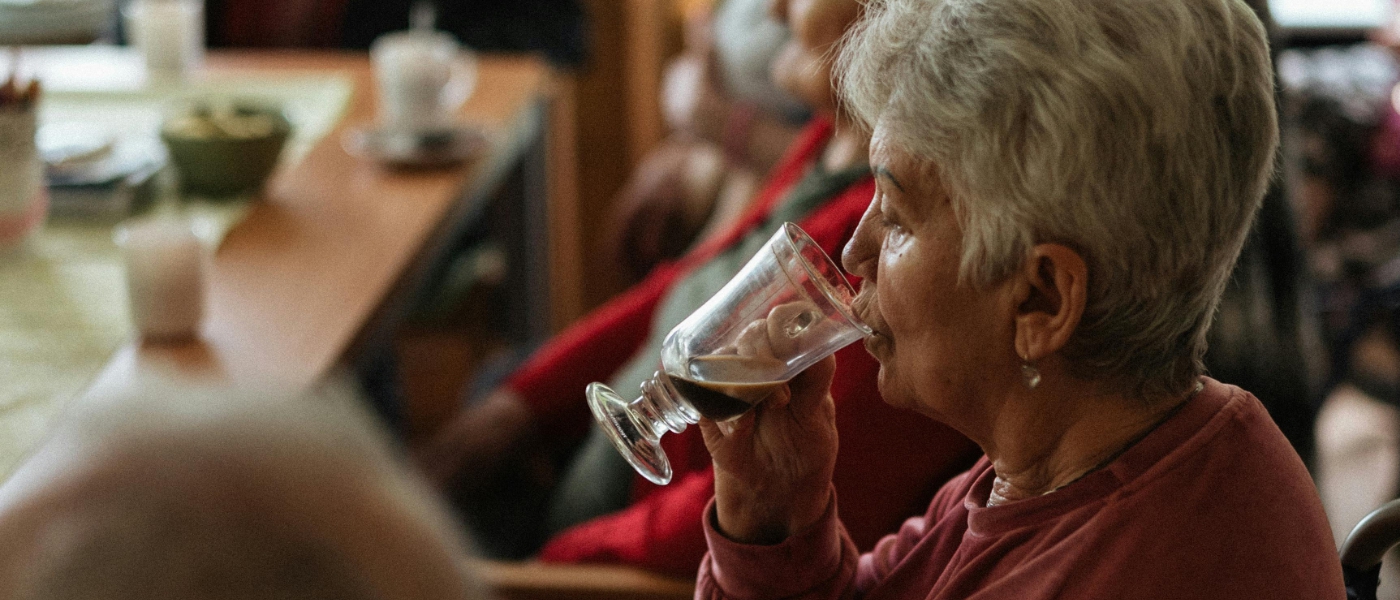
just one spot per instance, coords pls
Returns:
(895, 398)
(890, 391)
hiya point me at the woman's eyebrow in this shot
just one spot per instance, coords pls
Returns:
(881, 171)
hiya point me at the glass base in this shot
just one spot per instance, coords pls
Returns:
(641, 450)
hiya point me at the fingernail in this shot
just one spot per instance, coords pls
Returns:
(725, 427)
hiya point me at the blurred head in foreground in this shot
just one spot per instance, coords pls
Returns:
(213, 494)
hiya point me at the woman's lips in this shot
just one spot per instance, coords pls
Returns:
(862, 306)
(861, 303)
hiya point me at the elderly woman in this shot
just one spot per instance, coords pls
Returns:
(1062, 189)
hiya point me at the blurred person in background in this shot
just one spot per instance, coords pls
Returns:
(729, 125)
(173, 493)
(1346, 162)
(497, 456)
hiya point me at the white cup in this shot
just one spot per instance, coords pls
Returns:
(169, 34)
(165, 266)
(423, 76)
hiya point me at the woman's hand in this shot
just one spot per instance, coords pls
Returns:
(773, 465)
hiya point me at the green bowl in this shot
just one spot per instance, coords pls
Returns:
(217, 162)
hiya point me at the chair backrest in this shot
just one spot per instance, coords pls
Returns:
(1364, 548)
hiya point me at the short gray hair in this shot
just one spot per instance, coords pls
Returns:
(1141, 133)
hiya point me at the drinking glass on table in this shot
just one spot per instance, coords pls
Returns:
(788, 308)
(168, 33)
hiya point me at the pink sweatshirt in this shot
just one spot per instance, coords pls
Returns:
(1213, 504)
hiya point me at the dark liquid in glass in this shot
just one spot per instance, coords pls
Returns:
(722, 387)
(716, 406)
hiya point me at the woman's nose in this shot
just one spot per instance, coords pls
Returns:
(857, 255)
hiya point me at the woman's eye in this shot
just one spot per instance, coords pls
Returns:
(894, 231)
(890, 221)
(887, 223)
(886, 219)
(896, 234)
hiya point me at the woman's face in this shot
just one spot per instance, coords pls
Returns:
(803, 66)
(944, 348)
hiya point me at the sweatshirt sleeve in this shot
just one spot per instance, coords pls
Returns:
(818, 562)
(552, 381)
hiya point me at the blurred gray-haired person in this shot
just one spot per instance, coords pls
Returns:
(195, 494)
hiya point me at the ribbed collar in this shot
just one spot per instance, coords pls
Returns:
(1180, 436)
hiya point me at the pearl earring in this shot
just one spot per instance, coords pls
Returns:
(1029, 374)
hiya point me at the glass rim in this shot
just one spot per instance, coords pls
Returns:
(795, 236)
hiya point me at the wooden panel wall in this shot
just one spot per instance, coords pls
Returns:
(618, 118)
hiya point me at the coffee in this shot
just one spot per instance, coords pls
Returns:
(722, 387)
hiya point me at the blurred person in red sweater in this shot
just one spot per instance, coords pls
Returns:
(730, 124)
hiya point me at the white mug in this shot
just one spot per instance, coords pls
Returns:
(423, 77)
(169, 33)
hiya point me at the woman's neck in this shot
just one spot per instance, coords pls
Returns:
(1034, 455)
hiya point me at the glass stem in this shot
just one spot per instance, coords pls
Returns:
(661, 407)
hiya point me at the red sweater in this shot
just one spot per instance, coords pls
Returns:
(661, 530)
(1213, 504)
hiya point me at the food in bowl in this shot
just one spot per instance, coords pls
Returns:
(225, 150)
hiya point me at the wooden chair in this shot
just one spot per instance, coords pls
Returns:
(540, 581)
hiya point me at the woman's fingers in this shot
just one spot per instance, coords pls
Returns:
(724, 433)
(713, 435)
(812, 386)
(773, 465)
(779, 398)
(753, 341)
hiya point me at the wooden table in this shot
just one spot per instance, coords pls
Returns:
(328, 260)
(322, 267)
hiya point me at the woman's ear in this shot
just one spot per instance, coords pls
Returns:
(1050, 299)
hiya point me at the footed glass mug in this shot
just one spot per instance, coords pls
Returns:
(788, 308)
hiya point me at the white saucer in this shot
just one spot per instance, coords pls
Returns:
(436, 148)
